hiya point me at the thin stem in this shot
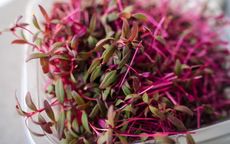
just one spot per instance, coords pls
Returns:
(155, 86)
(131, 63)
(154, 134)
(171, 98)
(119, 3)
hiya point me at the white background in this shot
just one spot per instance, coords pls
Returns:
(11, 125)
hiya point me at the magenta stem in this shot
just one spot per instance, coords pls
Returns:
(131, 63)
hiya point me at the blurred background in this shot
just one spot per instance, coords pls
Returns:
(11, 60)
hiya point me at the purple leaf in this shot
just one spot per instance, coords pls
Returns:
(48, 110)
(30, 103)
(183, 109)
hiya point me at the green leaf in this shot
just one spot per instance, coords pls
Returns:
(124, 60)
(85, 122)
(74, 141)
(164, 140)
(178, 67)
(75, 125)
(82, 56)
(85, 141)
(183, 109)
(50, 89)
(94, 111)
(60, 57)
(125, 15)
(134, 32)
(145, 98)
(176, 122)
(68, 115)
(140, 16)
(131, 96)
(74, 42)
(30, 103)
(108, 53)
(55, 47)
(92, 41)
(60, 124)
(35, 22)
(38, 42)
(190, 139)
(93, 23)
(102, 42)
(129, 9)
(125, 29)
(110, 136)
(48, 110)
(128, 108)
(95, 63)
(59, 90)
(126, 88)
(106, 93)
(64, 141)
(109, 78)
(112, 16)
(111, 116)
(36, 56)
(73, 79)
(95, 74)
(123, 140)
(103, 138)
(78, 98)
(118, 102)
(144, 137)
(117, 57)
(156, 112)
(55, 21)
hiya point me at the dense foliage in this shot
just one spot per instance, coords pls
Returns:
(120, 71)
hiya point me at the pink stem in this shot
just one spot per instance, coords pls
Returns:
(171, 98)
(155, 87)
(159, 26)
(131, 63)
(120, 5)
(154, 135)
(179, 43)
(135, 119)
(54, 103)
